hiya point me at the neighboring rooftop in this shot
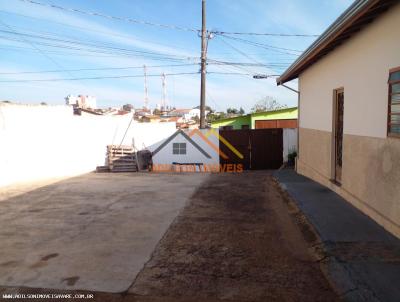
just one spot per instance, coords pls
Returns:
(261, 113)
(355, 18)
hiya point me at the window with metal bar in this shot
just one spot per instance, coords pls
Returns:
(394, 103)
(179, 148)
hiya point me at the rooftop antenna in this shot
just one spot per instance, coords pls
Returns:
(146, 94)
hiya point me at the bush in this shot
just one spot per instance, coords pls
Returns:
(291, 158)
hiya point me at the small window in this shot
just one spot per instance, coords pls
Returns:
(394, 103)
(179, 148)
(245, 127)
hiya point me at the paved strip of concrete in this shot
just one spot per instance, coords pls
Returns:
(94, 232)
(363, 258)
(234, 241)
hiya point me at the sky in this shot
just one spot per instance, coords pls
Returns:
(37, 38)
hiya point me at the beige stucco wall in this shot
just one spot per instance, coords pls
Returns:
(371, 160)
(361, 66)
(371, 172)
(315, 148)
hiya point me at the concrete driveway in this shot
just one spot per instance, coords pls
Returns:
(160, 237)
(94, 232)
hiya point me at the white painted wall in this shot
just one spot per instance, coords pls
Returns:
(289, 142)
(166, 157)
(43, 142)
(361, 65)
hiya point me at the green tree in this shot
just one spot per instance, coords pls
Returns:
(232, 111)
(127, 107)
(196, 119)
(267, 103)
(211, 117)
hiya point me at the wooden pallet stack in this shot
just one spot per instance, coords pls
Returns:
(121, 159)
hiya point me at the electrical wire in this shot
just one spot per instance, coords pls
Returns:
(89, 30)
(92, 44)
(94, 69)
(166, 26)
(37, 48)
(96, 14)
(55, 52)
(218, 62)
(265, 46)
(122, 53)
(240, 52)
(95, 78)
(127, 76)
(238, 73)
(263, 34)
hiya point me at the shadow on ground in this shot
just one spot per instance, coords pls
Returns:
(234, 241)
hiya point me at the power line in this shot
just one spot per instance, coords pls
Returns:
(212, 99)
(94, 69)
(167, 26)
(55, 52)
(127, 76)
(239, 51)
(210, 61)
(96, 14)
(35, 47)
(121, 54)
(230, 68)
(113, 51)
(265, 46)
(263, 34)
(93, 44)
(238, 73)
(90, 30)
(218, 62)
(96, 78)
(222, 39)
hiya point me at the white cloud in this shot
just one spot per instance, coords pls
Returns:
(183, 91)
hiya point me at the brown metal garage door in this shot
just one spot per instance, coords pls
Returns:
(240, 139)
(261, 148)
(266, 148)
(269, 124)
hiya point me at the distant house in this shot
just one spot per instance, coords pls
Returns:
(179, 112)
(282, 118)
(186, 114)
(349, 109)
(150, 119)
(175, 119)
(81, 101)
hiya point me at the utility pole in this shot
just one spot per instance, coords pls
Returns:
(146, 94)
(203, 66)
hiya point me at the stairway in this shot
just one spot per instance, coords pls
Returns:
(121, 159)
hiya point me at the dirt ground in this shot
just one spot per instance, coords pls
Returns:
(235, 240)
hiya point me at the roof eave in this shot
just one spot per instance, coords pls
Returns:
(335, 34)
